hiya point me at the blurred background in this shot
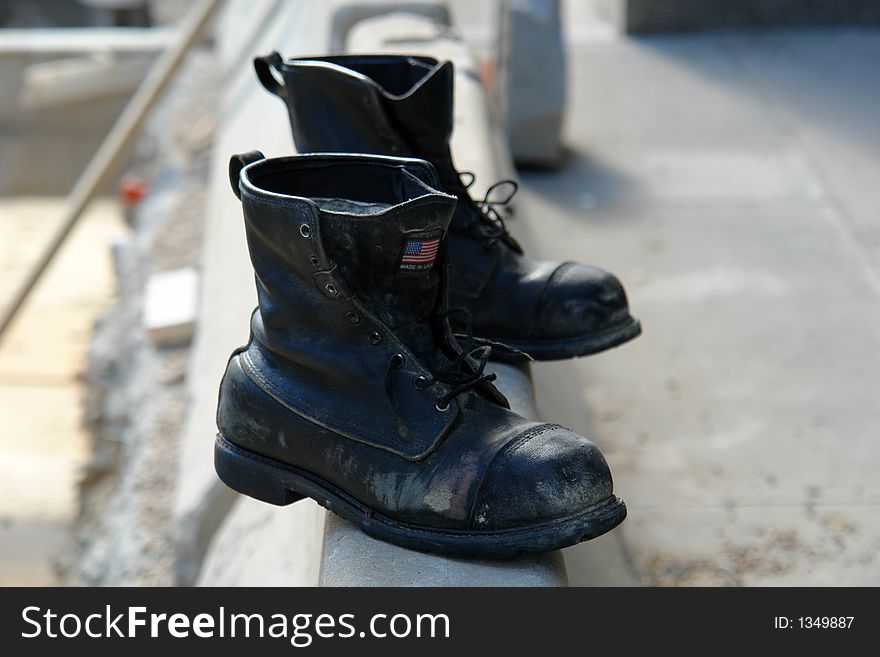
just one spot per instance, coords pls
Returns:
(722, 157)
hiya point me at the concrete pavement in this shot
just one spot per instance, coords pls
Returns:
(731, 181)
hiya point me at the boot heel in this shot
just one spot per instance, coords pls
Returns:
(252, 476)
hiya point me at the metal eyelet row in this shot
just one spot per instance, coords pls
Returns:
(375, 338)
(306, 231)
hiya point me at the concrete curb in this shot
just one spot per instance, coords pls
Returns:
(231, 540)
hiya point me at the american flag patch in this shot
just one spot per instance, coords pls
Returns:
(419, 253)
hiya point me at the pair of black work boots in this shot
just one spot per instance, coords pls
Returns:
(383, 290)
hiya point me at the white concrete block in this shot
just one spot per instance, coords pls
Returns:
(170, 303)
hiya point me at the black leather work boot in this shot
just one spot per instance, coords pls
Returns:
(398, 105)
(353, 389)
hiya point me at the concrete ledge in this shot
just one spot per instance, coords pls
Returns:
(347, 17)
(227, 292)
(351, 558)
(262, 545)
(236, 541)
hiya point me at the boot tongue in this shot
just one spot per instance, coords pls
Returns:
(388, 254)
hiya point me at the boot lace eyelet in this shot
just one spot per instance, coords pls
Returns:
(375, 338)
(397, 361)
(315, 262)
(442, 407)
(353, 318)
(305, 230)
(331, 289)
(420, 382)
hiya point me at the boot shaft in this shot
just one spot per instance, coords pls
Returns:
(326, 228)
(387, 104)
(339, 309)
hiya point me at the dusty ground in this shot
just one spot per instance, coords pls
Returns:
(138, 397)
(730, 180)
(44, 444)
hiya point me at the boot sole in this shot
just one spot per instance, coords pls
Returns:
(585, 345)
(281, 484)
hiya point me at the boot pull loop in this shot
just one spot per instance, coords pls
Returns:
(239, 162)
(268, 68)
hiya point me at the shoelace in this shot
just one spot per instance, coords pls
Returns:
(466, 369)
(489, 209)
(468, 354)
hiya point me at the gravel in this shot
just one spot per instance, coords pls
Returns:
(136, 399)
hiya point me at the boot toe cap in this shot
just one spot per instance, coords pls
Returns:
(581, 299)
(545, 473)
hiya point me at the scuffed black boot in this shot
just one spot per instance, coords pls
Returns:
(398, 105)
(354, 391)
